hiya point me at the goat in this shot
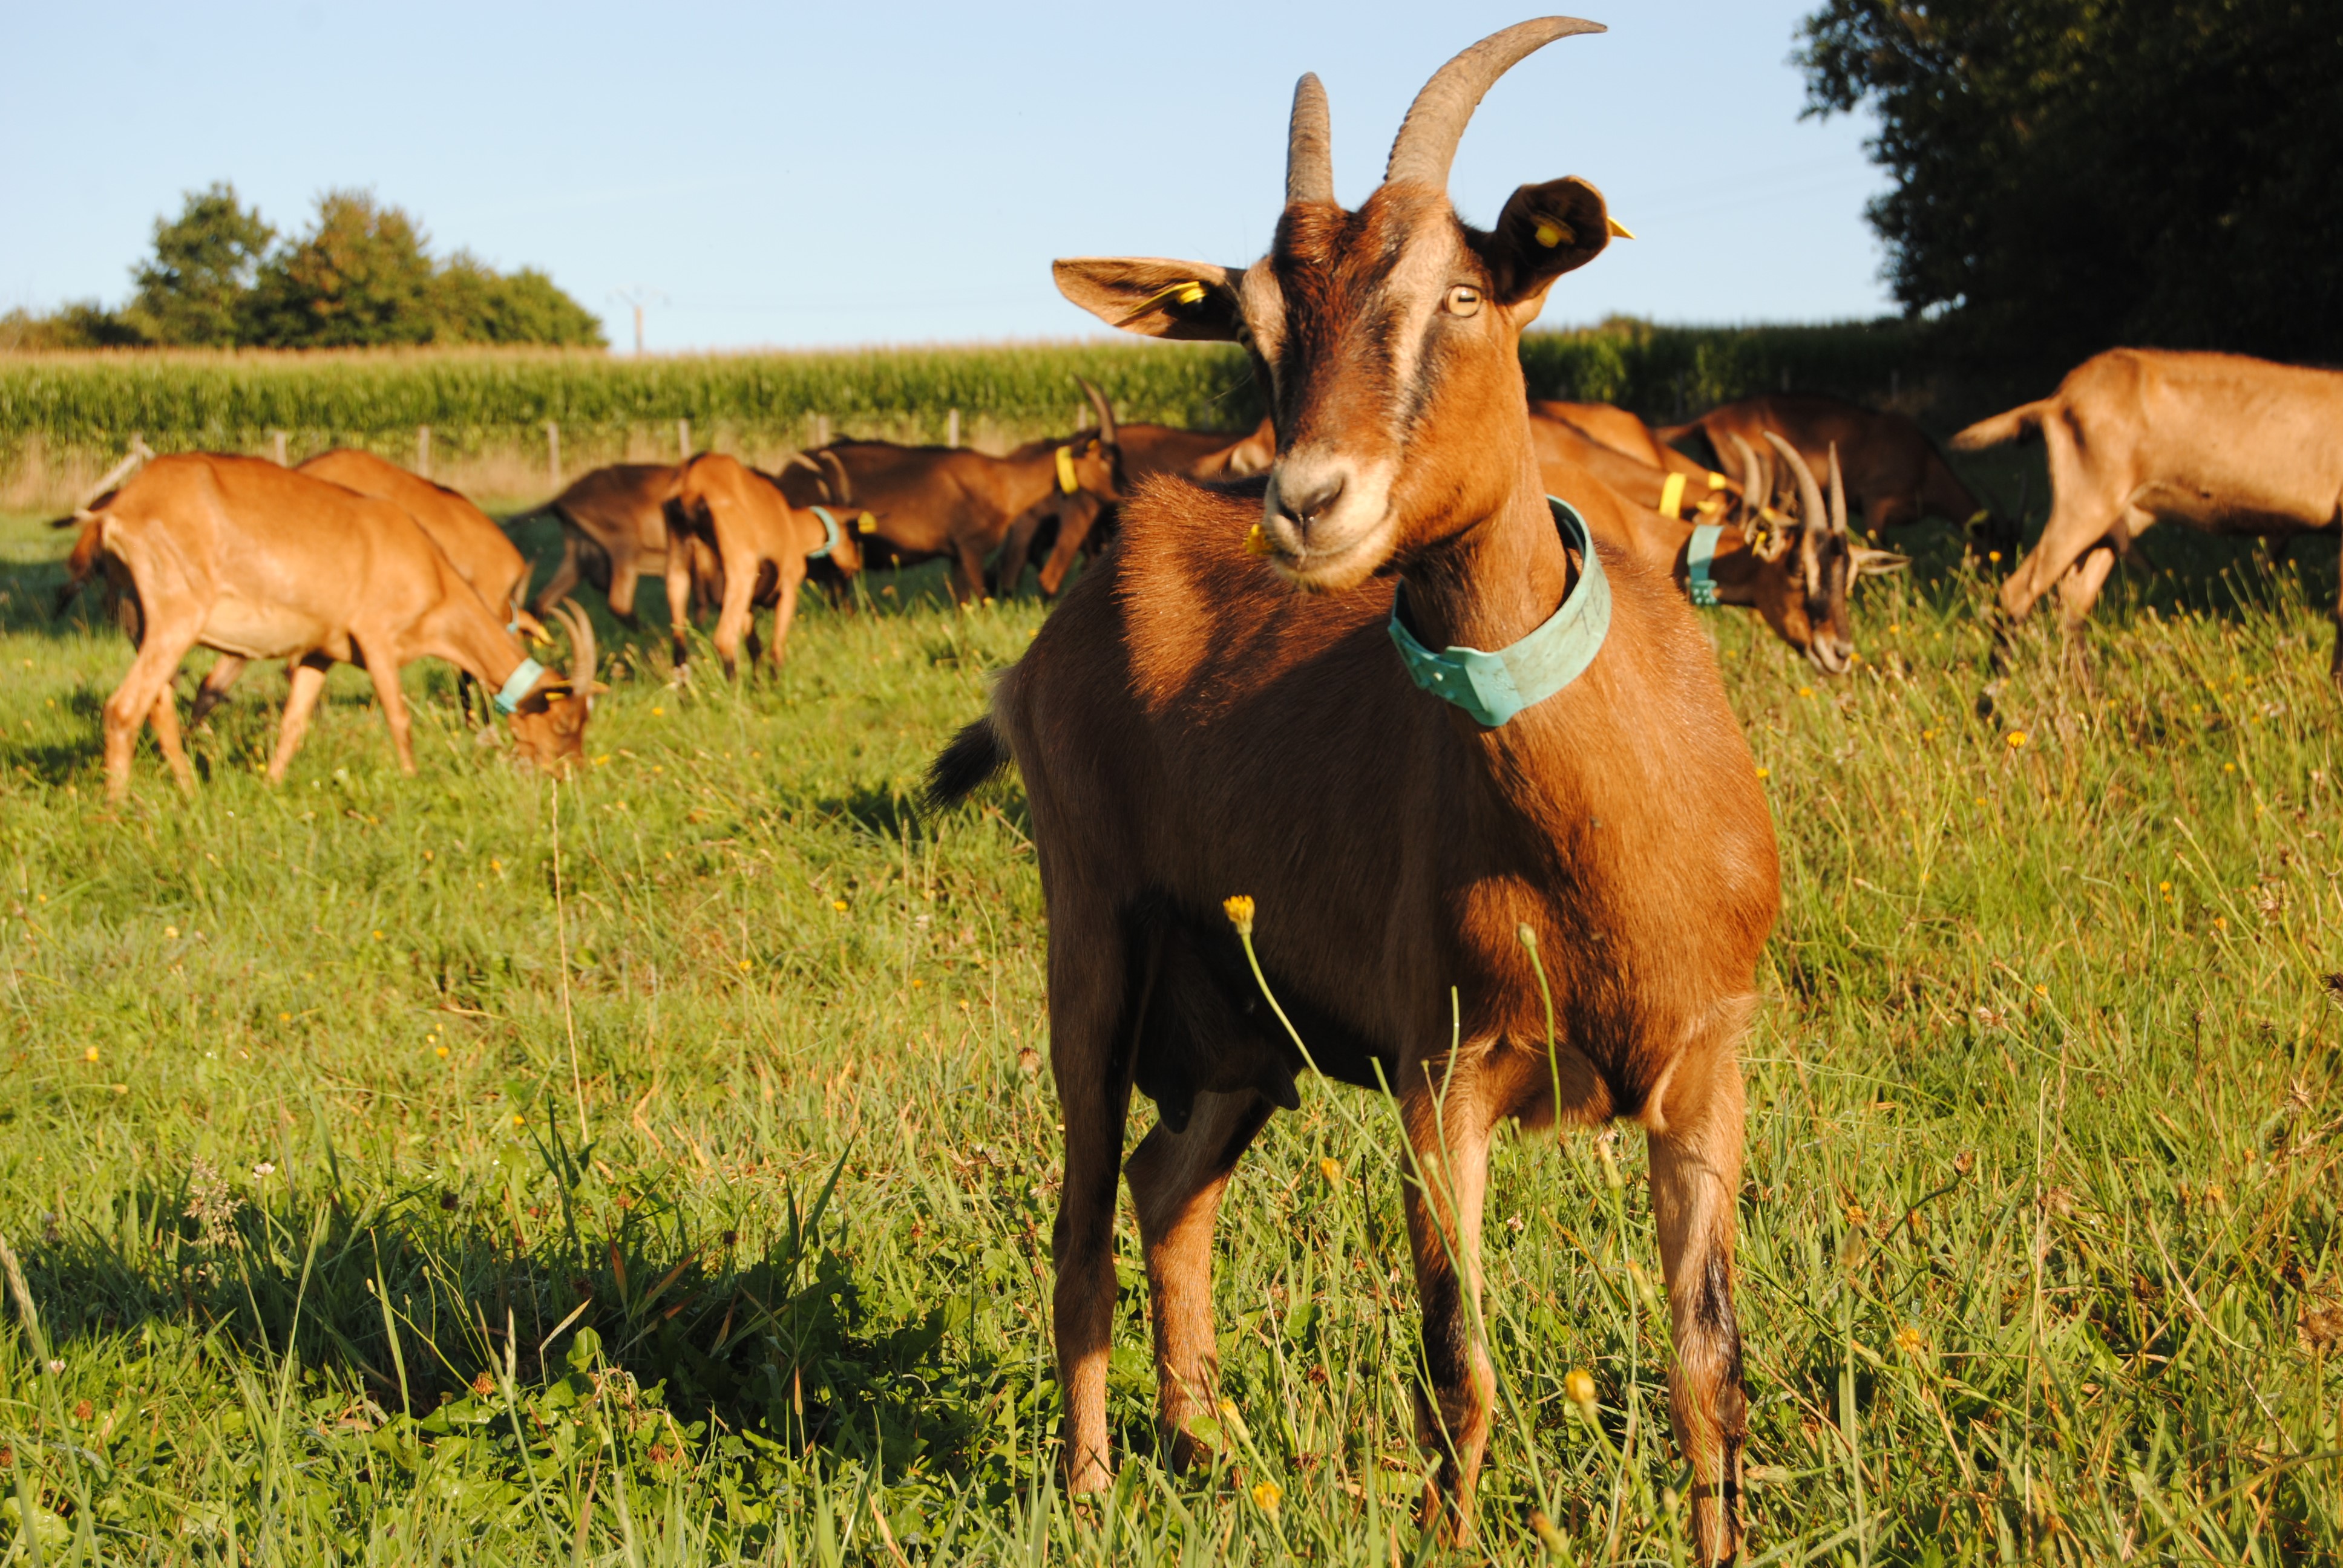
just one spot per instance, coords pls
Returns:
(257, 561)
(1072, 524)
(2223, 442)
(1627, 434)
(614, 533)
(1217, 709)
(1796, 573)
(949, 501)
(761, 544)
(478, 549)
(1893, 471)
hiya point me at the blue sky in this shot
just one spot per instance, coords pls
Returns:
(837, 174)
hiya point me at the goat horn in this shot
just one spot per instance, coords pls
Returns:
(582, 652)
(1753, 500)
(1105, 412)
(1810, 493)
(1309, 145)
(1426, 144)
(1837, 495)
(839, 483)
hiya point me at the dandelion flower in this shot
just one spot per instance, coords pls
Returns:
(1579, 1384)
(1268, 1495)
(658, 713)
(2220, 922)
(441, 1052)
(2042, 991)
(171, 933)
(1330, 1169)
(1237, 907)
(1764, 773)
(838, 904)
(1908, 1341)
(1805, 691)
(285, 1018)
(2016, 739)
(90, 1055)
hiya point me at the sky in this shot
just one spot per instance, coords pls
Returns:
(804, 175)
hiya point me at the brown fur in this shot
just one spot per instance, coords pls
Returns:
(1188, 727)
(1628, 435)
(614, 531)
(759, 543)
(257, 561)
(1895, 475)
(1085, 521)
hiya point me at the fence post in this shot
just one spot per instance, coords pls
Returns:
(553, 453)
(821, 429)
(276, 440)
(423, 450)
(683, 441)
(951, 427)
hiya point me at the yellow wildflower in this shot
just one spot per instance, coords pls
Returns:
(1330, 1169)
(1578, 1383)
(1268, 1495)
(1237, 907)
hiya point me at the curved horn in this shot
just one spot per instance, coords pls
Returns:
(1810, 493)
(837, 481)
(1427, 143)
(1105, 412)
(582, 652)
(1753, 499)
(799, 460)
(1309, 145)
(1837, 495)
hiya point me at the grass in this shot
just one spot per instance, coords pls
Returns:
(658, 1170)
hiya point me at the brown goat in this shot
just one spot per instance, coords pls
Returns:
(1627, 434)
(2225, 444)
(761, 544)
(479, 550)
(1084, 520)
(614, 533)
(1893, 473)
(1217, 709)
(257, 561)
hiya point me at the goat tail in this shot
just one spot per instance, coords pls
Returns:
(975, 755)
(81, 564)
(2016, 424)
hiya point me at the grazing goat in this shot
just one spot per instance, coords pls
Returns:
(2225, 444)
(761, 545)
(1219, 709)
(948, 501)
(256, 561)
(1893, 471)
(614, 533)
(479, 550)
(1627, 434)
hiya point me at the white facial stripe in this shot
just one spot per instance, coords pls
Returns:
(1414, 289)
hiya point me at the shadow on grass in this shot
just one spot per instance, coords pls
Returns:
(425, 1295)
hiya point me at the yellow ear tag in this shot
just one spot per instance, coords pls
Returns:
(1617, 230)
(1188, 292)
(866, 524)
(1671, 495)
(1256, 543)
(1066, 480)
(1552, 232)
(1716, 481)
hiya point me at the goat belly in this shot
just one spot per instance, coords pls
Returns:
(1198, 1024)
(257, 629)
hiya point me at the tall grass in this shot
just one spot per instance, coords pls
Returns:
(659, 1168)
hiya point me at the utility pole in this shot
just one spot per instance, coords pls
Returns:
(636, 298)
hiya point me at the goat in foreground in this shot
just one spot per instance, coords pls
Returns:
(2223, 442)
(1219, 709)
(257, 561)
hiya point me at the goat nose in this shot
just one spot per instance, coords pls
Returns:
(1306, 500)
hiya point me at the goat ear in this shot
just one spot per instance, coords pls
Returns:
(544, 697)
(1154, 297)
(1544, 231)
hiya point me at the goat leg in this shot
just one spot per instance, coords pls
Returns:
(1177, 1181)
(166, 719)
(1442, 1106)
(1696, 1180)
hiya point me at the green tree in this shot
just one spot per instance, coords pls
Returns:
(2070, 175)
(361, 277)
(205, 260)
(480, 305)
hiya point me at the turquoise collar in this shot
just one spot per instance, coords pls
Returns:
(831, 535)
(516, 685)
(1493, 686)
(1699, 552)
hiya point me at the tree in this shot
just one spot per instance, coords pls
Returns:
(203, 266)
(479, 305)
(2070, 175)
(360, 278)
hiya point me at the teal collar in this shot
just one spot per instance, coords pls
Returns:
(1699, 552)
(516, 685)
(1493, 686)
(831, 535)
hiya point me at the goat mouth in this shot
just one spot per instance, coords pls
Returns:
(1831, 658)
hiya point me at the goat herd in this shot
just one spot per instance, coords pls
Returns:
(1235, 746)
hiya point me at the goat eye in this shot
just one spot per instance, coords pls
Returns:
(1462, 300)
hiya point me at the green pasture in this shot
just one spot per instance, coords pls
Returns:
(658, 1168)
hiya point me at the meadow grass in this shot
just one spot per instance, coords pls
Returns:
(658, 1168)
